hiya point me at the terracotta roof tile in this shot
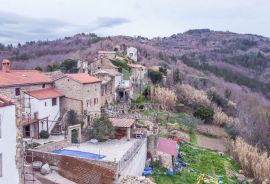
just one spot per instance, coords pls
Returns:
(22, 77)
(83, 78)
(122, 122)
(45, 93)
(4, 101)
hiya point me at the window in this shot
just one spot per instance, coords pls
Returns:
(54, 101)
(17, 91)
(45, 104)
(43, 85)
(1, 162)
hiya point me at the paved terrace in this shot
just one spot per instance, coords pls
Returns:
(114, 149)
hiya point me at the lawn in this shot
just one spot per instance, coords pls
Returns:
(199, 161)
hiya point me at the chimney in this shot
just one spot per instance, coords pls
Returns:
(6, 65)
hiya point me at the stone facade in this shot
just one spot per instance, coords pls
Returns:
(108, 54)
(85, 99)
(138, 73)
(107, 88)
(101, 63)
(78, 170)
(19, 146)
(10, 91)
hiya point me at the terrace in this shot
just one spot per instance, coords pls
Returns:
(113, 150)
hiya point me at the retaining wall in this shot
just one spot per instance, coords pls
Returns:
(78, 170)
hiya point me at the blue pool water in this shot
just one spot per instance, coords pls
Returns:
(79, 154)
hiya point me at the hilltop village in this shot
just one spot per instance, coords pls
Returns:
(47, 117)
(106, 121)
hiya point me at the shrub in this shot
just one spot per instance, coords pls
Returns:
(231, 130)
(254, 162)
(218, 99)
(44, 134)
(155, 76)
(204, 113)
(74, 136)
(220, 118)
(190, 96)
(140, 99)
(163, 96)
(69, 66)
(121, 64)
(102, 128)
(72, 117)
(163, 70)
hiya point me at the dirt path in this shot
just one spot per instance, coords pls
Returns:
(215, 144)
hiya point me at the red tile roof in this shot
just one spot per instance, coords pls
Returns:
(45, 93)
(22, 77)
(83, 78)
(167, 146)
(4, 101)
(122, 122)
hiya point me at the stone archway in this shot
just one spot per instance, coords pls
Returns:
(74, 134)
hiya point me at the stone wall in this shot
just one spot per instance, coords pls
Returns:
(79, 170)
(85, 99)
(19, 146)
(107, 94)
(152, 145)
(53, 146)
(10, 91)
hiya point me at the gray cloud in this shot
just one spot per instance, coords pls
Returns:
(110, 22)
(15, 28)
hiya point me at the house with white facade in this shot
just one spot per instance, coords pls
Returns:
(132, 53)
(9, 172)
(34, 92)
(42, 109)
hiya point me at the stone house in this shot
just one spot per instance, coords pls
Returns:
(107, 54)
(82, 66)
(101, 63)
(82, 93)
(13, 83)
(138, 76)
(34, 92)
(111, 80)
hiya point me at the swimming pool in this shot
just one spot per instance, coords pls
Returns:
(79, 154)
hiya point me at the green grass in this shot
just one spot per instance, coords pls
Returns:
(199, 161)
(193, 138)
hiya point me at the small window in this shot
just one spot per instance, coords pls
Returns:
(45, 104)
(17, 91)
(1, 162)
(43, 85)
(54, 101)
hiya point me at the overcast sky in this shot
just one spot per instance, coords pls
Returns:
(25, 20)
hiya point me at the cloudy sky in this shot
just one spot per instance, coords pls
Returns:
(25, 20)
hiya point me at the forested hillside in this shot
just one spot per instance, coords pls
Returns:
(235, 66)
